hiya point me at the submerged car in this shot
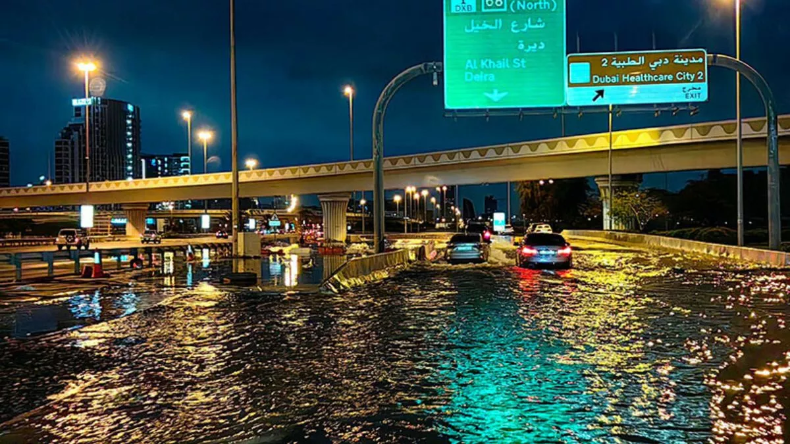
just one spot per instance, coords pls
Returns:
(467, 248)
(544, 250)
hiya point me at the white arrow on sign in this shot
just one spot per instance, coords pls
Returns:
(496, 96)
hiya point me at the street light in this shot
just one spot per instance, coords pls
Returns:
(425, 206)
(416, 201)
(348, 91)
(187, 115)
(251, 164)
(205, 136)
(407, 204)
(444, 197)
(397, 198)
(433, 201)
(362, 203)
(87, 67)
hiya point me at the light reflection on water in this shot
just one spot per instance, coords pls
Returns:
(175, 276)
(628, 347)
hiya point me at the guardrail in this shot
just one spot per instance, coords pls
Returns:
(17, 260)
(26, 242)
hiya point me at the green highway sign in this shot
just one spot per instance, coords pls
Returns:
(504, 54)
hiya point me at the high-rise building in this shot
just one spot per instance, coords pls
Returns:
(165, 165)
(5, 163)
(490, 205)
(114, 143)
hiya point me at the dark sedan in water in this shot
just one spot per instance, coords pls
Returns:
(544, 250)
(467, 248)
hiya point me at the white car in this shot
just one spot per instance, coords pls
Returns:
(540, 228)
(70, 237)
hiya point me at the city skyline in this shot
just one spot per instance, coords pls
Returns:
(289, 94)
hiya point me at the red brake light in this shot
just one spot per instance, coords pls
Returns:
(527, 251)
(566, 251)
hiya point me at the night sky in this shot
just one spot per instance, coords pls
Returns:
(295, 56)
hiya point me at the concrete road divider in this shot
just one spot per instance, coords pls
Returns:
(360, 271)
(765, 257)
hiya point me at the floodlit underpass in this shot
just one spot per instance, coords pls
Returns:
(629, 346)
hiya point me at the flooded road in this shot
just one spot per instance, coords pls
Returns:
(630, 346)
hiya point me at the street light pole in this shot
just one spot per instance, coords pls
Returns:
(86, 68)
(87, 132)
(739, 130)
(188, 117)
(234, 156)
(349, 92)
(205, 136)
(362, 203)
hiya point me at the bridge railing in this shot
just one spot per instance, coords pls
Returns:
(120, 256)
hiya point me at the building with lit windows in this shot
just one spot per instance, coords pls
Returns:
(165, 165)
(5, 163)
(114, 143)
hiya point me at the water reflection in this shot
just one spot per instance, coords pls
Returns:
(625, 348)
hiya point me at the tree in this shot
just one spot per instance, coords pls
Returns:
(554, 200)
(641, 206)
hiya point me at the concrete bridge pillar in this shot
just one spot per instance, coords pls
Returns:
(335, 207)
(619, 183)
(135, 219)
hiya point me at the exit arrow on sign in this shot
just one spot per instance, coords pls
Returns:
(496, 96)
(598, 95)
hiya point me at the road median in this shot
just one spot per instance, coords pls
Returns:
(765, 257)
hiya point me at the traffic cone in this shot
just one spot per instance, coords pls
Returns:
(97, 271)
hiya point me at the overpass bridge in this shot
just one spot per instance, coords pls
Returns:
(653, 150)
(664, 149)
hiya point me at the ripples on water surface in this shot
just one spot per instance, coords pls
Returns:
(629, 347)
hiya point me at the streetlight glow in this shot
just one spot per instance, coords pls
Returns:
(251, 164)
(86, 66)
(397, 198)
(348, 91)
(363, 202)
(205, 135)
(187, 115)
(424, 193)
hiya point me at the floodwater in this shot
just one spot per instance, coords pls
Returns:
(630, 346)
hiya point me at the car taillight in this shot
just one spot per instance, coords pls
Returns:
(565, 251)
(527, 251)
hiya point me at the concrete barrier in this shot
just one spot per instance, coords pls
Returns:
(765, 257)
(367, 269)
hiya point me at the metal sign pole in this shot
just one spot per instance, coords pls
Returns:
(772, 142)
(378, 143)
(609, 219)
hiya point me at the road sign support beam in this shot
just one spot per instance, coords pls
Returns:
(772, 141)
(378, 143)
